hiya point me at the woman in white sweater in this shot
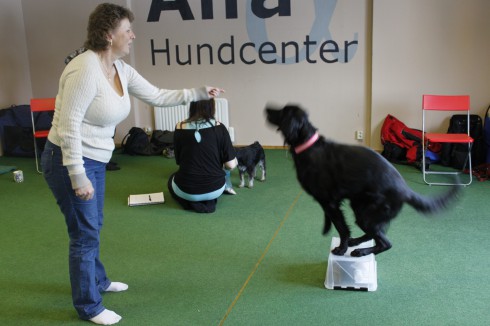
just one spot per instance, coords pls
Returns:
(93, 97)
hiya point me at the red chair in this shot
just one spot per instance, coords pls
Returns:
(445, 103)
(38, 105)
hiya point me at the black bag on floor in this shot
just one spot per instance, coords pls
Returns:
(454, 155)
(136, 142)
(162, 138)
(163, 143)
(18, 141)
(16, 130)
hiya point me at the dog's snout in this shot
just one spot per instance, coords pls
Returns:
(272, 115)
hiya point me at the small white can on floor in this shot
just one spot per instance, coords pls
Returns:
(18, 176)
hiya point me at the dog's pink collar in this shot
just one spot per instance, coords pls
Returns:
(305, 146)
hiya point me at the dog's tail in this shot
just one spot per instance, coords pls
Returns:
(429, 205)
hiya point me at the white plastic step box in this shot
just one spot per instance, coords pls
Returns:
(351, 273)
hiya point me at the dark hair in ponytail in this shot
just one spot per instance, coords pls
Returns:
(202, 110)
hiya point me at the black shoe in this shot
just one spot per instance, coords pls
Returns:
(112, 166)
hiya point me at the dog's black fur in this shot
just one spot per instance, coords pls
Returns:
(249, 157)
(332, 172)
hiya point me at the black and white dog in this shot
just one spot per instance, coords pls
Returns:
(249, 157)
(333, 172)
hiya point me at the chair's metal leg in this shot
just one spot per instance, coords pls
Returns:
(424, 174)
(35, 141)
(458, 183)
(468, 158)
(36, 156)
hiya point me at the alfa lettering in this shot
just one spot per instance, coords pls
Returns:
(258, 7)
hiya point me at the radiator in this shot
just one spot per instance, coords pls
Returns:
(167, 117)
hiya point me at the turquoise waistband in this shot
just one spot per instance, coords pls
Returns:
(197, 197)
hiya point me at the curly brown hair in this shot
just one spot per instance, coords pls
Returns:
(105, 18)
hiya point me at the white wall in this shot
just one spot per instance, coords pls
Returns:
(418, 46)
(331, 92)
(428, 47)
(15, 82)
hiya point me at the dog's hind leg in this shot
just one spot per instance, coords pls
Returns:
(382, 244)
(262, 167)
(251, 177)
(357, 241)
(242, 179)
(373, 214)
(376, 231)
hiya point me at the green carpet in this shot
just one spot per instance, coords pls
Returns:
(260, 259)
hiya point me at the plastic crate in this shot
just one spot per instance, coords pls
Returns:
(351, 273)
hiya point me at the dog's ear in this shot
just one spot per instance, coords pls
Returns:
(294, 124)
(294, 127)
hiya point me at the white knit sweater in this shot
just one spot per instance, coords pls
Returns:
(88, 110)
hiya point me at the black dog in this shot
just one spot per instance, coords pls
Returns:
(249, 157)
(332, 172)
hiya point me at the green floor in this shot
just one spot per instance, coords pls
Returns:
(260, 259)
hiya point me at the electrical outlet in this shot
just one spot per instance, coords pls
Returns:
(359, 135)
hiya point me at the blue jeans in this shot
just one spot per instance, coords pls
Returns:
(83, 220)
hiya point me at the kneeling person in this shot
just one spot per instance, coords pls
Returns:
(202, 148)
